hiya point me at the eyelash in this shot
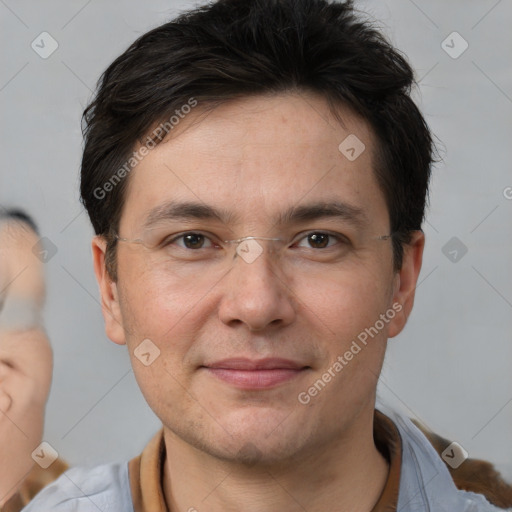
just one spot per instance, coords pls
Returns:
(338, 236)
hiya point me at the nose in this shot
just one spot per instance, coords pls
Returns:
(256, 293)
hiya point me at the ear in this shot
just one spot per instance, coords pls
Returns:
(109, 294)
(405, 282)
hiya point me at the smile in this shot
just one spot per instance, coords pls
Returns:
(249, 374)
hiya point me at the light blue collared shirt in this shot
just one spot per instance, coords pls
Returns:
(425, 483)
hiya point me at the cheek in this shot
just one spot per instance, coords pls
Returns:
(154, 305)
(162, 319)
(167, 386)
(347, 302)
(160, 389)
(351, 308)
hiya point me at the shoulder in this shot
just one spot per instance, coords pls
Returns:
(105, 487)
(427, 480)
(473, 475)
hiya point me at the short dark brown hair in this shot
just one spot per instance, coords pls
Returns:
(235, 48)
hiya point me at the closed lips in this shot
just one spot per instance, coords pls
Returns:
(263, 364)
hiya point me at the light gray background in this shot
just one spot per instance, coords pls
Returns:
(451, 367)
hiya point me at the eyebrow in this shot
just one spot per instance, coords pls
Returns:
(189, 211)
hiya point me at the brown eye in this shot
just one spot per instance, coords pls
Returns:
(193, 240)
(322, 242)
(190, 240)
(318, 240)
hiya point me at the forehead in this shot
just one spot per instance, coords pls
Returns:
(257, 157)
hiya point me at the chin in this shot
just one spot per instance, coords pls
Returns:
(264, 437)
(251, 451)
(250, 437)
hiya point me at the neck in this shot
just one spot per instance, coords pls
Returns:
(345, 475)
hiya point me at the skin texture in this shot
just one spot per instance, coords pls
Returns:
(25, 359)
(259, 450)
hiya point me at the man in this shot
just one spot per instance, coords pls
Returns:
(256, 175)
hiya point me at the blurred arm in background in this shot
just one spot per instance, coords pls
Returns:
(25, 353)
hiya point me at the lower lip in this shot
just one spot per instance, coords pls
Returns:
(255, 379)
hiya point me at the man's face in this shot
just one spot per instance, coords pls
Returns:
(221, 322)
